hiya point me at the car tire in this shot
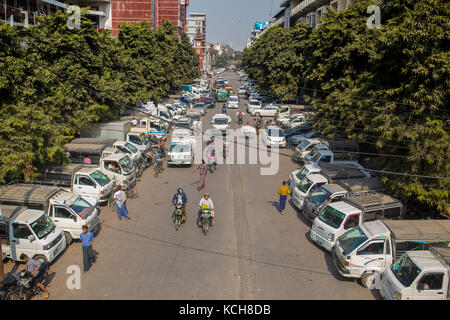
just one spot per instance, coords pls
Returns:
(367, 279)
(69, 238)
(40, 258)
(257, 114)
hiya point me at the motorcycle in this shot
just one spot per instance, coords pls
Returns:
(212, 164)
(205, 219)
(157, 165)
(23, 288)
(240, 121)
(178, 215)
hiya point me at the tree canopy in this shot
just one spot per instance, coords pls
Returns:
(55, 80)
(386, 88)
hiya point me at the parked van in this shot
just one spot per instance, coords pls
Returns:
(418, 275)
(119, 167)
(373, 246)
(31, 232)
(68, 211)
(81, 180)
(338, 217)
(180, 152)
(319, 198)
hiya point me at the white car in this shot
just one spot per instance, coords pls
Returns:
(295, 122)
(242, 90)
(221, 122)
(233, 102)
(253, 104)
(180, 152)
(273, 136)
(266, 111)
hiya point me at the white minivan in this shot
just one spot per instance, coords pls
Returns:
(180, 152)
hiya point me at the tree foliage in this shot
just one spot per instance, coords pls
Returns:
(387, 88)
(55, 80)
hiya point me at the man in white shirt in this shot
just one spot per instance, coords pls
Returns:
(207, 202)
(121, 197)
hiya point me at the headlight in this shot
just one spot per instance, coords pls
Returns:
(47, 246)
(397, 296)
(331, 237)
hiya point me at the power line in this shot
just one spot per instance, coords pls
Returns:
(169, 121)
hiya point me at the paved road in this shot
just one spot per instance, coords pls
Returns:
(252, 252)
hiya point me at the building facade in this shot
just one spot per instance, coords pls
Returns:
(107, 14)
(196, 31)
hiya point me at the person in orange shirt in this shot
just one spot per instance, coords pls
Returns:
(283, 191)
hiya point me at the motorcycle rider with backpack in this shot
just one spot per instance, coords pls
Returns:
(180, 198)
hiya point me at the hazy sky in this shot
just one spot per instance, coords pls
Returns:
(230, 21)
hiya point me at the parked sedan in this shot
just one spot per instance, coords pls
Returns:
(242, 90)
(266, 111)
(273, 136)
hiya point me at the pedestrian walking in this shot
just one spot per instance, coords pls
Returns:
(283, 191)
(87, 240)
(121, 197)
(203, 169)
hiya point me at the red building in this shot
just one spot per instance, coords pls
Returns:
(154, 11)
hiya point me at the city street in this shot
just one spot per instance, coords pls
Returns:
(252, 252)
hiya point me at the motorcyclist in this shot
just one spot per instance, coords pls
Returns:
(240, 116)
(37, 272)
(206, 203)
(180, 198)
(224, 109)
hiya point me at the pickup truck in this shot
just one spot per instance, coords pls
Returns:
(329, 156)
(328, 174)
(31, 232)
(134, 154)
(319, 198)
(372, 247)
(118, 167)
(288, 110)
(79, 179)
(151, 126)
(418, 275)
(68, 211)
(341, 216)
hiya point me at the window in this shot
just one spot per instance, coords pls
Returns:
(62, 213)
(326, 159)
(135, 139)
(352, 222)
(85, 181)
(431, 281)
(21, 231)
(388, 247)
(372, 248)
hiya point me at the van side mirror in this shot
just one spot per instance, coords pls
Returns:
(31, 238)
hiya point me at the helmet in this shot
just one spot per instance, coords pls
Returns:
(179, 190)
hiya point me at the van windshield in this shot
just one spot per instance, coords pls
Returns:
(316, 157)
(405, 270)
(332, 217)
(101, 178)
(303, 145)
(131, 147)
(42, 226)
(352, 239)
(82, 207)
(126, 164)
(220, 121)
(302, 173)
(319, 196)
(180, 147)
(304, 185)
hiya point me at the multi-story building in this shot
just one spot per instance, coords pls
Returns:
(196, 31)
(310, 12)
(107, 14)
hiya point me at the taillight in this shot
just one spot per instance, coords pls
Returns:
(102, 192)
(346, 263)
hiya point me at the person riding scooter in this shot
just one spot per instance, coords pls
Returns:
(180, 198)
(240, 117)
(37, 271)
(206, 203)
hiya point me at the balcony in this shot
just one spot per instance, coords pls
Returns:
(279, 22)
(307, 6)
